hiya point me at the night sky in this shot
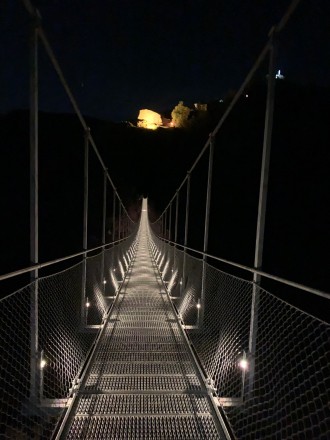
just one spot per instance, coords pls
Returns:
(120, 56)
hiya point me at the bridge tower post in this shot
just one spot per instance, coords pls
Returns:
(263, 191)
(34, 213)
(201, 308)
(84, 309)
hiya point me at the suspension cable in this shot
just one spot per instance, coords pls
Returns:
(35, 14)
(240, 91)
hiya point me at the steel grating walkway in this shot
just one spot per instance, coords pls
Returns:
(142, 381)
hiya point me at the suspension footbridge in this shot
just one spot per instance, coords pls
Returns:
(145, 337)
(142, 380)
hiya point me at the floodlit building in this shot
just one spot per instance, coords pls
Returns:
(149, 119)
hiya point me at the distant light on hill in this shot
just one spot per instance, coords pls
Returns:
(149, 119)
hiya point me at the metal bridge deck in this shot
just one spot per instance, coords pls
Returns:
(142, 382)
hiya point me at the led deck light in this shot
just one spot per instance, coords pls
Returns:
(43, 361)
(243, 364)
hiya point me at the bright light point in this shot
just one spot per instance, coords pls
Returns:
(143, 209)
(180, 283)
(88, 304)
(243, 364)
(43, 363)
(104, 281)
(279, 75)
(246, 96)
(198, 306)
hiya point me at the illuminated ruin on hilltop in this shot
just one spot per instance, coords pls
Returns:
(149, 119)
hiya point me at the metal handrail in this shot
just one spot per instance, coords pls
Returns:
(253, 270)
(58, 260)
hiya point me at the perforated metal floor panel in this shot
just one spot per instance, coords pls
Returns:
(142, 382)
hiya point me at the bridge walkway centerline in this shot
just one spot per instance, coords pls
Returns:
(142, 381)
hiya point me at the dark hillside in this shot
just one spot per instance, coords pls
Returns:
(153, 163)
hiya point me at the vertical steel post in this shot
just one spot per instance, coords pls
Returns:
(206, 231)
(34, 215)
(185, 244)
(113, 237)
(104, 216)
(125, 227)
(85, 226)
(168, 247)
(41, 374)
(176, 235)
(121, 275)
(243, 377)
(114, 216)
(119, 221)
(170, 223)
(262, 212)
(164, 234)
(176, 218)
(161, 236)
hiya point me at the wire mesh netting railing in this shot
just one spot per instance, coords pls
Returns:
(102, 285)
(288, 395)
(65, 337)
